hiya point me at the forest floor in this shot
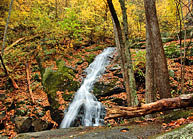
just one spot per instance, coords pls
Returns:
(18, 102)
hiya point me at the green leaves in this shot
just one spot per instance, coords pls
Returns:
(71, 25)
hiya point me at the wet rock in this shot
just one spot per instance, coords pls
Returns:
(115, 67)
(120, 75)
(78, 121)
(116, 90)
(39, 125)
(133, 132)
(100, 88)
(22, 124)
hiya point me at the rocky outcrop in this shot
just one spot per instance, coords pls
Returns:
(184, 132)
(120, 132)
(61, 79)
(26, 124)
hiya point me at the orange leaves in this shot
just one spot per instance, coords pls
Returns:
(190, 118)
(9, 125)
(47, 117)
(177, 123)
(120, 95)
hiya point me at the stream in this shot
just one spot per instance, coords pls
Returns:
(85, 109)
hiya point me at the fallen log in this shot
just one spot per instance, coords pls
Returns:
(21, 40)
(182, 101)
(28, 81)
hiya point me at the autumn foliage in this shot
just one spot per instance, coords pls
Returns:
(43, 33)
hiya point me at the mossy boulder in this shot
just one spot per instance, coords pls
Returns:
(58, 80)
(102, 88)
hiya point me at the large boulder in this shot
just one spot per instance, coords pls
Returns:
(22, 124)
(58, 80)
(26, 124)
(61, 79)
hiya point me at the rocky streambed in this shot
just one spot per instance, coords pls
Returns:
(148, 130)
(119, 132)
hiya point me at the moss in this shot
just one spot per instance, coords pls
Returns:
(100, 88)
(176, 114)
(89, 58)
(67, 97)
(184, 132)
(58, 80)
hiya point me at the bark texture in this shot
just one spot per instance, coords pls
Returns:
(157, 77)
(121, 50)
(6, 27)
(134, 100)
(160, 105)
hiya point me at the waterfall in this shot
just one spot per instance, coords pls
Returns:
(85, 100)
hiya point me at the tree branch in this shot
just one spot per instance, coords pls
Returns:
(160, 105)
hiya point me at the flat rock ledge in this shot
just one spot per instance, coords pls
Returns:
(120, 132)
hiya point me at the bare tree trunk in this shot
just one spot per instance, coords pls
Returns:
(5, 69)
(121, 49)
(6, 27)
(181, 19)
(4, 39)
(156, 61)
(184, 54)
(66, 4)
(3, 47)
(56, 2)
(150, 94)
(134, 100)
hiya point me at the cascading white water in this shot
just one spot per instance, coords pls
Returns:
(83, 97)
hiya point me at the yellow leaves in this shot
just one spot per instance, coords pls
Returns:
(39, 47)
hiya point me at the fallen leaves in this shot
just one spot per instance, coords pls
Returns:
(177, 123)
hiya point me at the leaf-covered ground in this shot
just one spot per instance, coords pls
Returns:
(18, 102)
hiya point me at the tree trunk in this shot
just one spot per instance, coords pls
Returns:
(150, 94)
(66, 3)
(134, 100)
(56, 4)
(3, 46)
(5, 69)
(121, 49)
(160, 105)
(156, 68)
(6, 27)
